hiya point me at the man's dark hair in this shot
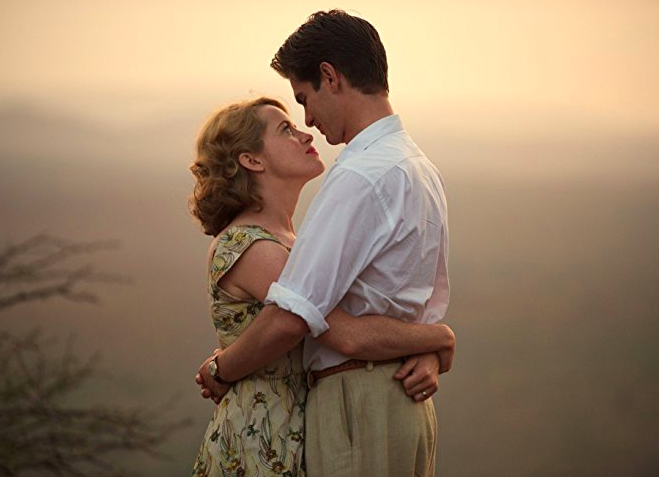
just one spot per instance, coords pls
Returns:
(350, 44)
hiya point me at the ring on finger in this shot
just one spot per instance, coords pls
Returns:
(424, 394)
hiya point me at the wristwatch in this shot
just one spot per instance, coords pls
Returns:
(214, 371)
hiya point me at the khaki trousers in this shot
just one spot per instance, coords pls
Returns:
(360, 423)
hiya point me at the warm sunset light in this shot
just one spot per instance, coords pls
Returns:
(543, 118)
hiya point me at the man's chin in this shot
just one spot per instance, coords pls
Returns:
(332, 141)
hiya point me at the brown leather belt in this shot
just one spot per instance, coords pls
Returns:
(314, 376)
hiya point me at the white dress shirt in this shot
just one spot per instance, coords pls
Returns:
(374, 240)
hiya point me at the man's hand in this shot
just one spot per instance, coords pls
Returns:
(420, 375)
(209, 387)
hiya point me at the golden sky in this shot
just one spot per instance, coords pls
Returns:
(596, 59)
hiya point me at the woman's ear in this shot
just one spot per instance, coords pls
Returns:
(251, 162)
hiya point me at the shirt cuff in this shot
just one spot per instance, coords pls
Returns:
(291, 301)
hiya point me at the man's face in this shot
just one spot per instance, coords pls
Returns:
(321, 110)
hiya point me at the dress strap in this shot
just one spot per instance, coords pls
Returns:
(232, 243)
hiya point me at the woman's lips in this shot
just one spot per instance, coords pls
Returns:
(312, 150)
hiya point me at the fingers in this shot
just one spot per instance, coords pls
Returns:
(210, 389)
(206, 394)
(213, 388)
(419, 379)
(424, 388)
(417, 383)
(425, 394)
(419, 386)
(405, 369)
(217, 390)
(215, 395)
(423, 380)
(412, 381)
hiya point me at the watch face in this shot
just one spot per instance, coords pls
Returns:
(212, 368)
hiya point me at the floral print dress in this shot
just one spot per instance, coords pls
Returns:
(258, 427)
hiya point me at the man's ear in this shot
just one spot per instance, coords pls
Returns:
(251, 162)
(329, 75)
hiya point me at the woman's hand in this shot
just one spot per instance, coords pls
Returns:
(210, 388)
(420, 375)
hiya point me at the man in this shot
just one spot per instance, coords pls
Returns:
(374, 241)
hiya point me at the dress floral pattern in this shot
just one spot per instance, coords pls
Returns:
(257, 430)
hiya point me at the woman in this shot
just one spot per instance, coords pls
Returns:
(252, 164)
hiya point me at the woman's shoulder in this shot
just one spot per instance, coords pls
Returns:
(251, 259)
(237, 238)
(251, 245)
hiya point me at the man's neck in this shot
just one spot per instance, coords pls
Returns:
(362, 110)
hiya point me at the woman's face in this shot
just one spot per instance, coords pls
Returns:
(287, 151)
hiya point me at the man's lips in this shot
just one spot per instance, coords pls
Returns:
(312, 150)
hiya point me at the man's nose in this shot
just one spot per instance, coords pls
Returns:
(308, 120)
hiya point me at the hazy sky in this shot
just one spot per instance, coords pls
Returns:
(593, 59)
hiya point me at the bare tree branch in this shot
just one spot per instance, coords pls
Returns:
(40, 432)
(35, 269)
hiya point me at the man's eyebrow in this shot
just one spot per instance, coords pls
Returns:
(300, 98)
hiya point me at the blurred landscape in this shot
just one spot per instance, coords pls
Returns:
(554, 285)
(542, 118)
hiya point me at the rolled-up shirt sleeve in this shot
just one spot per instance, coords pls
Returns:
(346, 225)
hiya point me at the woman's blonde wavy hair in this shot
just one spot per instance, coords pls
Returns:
(224, 188)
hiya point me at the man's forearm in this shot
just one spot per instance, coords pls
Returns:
(398, 339)
(273, 333)
(379, 337)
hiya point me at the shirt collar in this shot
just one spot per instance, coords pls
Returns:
(369, 135)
